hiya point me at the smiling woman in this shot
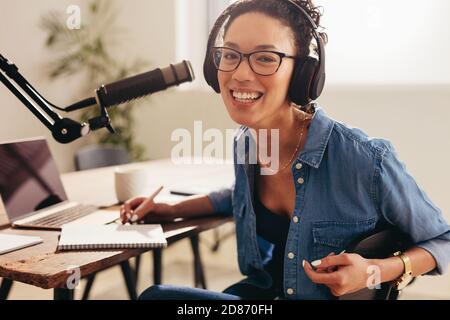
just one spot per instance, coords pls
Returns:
(334, 184)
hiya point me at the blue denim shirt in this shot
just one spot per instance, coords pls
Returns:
(346, 183)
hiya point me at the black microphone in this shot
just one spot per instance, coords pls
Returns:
(144, 84)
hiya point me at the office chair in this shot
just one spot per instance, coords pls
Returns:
(98, 156)
(379, 244)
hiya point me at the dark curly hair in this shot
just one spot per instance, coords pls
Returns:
(282, 11)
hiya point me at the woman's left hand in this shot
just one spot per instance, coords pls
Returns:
(343, 273)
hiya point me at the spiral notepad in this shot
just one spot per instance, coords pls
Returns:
(114, 236)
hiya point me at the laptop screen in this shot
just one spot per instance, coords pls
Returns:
(29, 178)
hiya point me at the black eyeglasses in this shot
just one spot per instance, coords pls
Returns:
(264, 63)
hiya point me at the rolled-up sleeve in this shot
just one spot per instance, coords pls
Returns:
(221, 201)
(404, 204)
(440, 249)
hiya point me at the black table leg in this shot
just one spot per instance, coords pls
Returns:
(5, 289)
(130, 282)
(89, 283)
(128, 274)
(137, 266)
(63, 294)
(157, 266)
(199, 275)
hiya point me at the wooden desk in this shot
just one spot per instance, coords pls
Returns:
(41, 266)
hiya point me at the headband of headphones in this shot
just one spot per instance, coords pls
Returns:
(309, 76)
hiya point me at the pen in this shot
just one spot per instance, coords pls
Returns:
(315, 267)
(181, 193)
(133, 218)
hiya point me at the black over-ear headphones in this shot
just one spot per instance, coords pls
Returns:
(309, 75)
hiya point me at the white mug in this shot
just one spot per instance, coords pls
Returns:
(130, 183)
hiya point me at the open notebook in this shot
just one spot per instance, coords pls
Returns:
(112, 236)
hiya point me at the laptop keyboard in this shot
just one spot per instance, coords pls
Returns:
(58, 219)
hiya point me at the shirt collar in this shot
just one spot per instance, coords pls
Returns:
(317, 140)
(318, 136)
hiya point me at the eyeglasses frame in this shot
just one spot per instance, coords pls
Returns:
(248, 55)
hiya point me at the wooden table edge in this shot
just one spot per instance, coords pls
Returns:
(59, 280)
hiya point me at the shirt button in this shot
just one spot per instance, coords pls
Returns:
(300, 181)
(290, 291)
(291, 255)
(298, 166)
(295, 219)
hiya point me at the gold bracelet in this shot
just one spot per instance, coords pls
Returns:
(406, 277)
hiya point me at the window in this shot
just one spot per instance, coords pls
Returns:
(194, 20)
(387, 42)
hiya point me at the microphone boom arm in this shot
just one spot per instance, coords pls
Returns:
(64, 130)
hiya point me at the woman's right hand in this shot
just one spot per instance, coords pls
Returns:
(149, 212)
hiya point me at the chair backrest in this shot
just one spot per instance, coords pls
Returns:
(380, 244)
(98, 156)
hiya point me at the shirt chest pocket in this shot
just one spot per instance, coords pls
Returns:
(335, 236)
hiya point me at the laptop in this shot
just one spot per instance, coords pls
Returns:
(33, 194)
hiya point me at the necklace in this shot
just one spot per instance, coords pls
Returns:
(267, 167)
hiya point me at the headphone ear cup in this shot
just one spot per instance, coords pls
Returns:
(302, 80)
(210, 72)
(318, 85)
